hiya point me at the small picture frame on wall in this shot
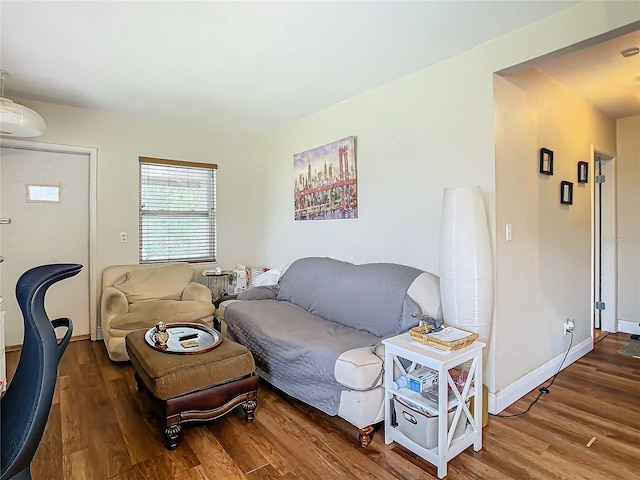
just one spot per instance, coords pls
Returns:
(546, 161)
(583, 172)
(566, 193)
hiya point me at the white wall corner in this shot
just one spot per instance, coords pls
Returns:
(500, 400)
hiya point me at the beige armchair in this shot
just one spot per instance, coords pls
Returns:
(139, 296)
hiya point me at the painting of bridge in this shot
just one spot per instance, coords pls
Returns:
(325, 183)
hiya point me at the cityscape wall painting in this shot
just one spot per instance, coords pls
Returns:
(325, 183)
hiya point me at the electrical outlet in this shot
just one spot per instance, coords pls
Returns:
(568, 326)
(123, 237)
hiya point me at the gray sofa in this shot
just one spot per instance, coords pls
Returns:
(315, 334)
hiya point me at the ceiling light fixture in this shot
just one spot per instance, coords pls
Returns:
(630, 52)
(17, 120)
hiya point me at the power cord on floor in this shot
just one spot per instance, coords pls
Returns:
(541, 390)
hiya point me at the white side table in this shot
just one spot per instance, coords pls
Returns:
(417, 355)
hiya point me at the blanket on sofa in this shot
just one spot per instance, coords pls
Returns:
(295, 350)
(370, 297)
(324, 307)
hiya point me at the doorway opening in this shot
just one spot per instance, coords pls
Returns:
(604, 310)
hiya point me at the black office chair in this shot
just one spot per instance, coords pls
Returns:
(26, 404)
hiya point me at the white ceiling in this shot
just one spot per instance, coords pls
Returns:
(602, 75)
(236, 66)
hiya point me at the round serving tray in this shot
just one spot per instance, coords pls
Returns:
(186, 339)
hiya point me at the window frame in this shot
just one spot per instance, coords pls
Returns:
(211, 216)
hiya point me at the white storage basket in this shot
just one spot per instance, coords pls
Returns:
(421, 427)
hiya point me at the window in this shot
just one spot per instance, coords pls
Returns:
(177, 211)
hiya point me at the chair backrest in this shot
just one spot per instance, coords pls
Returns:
(25, 407)
(113, 273)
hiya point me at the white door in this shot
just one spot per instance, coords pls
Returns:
(46, 196)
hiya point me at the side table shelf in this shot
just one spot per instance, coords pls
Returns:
(457, 427)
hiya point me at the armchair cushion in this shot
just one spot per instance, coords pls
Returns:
(147, 314)
(162, 282)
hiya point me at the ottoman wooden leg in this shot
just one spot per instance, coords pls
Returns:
(249, 406)
(173, 430)
(139, 383)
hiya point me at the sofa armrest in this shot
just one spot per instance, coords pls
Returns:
(196, 292)
(359, 369)
(220, 316)
(112, 303)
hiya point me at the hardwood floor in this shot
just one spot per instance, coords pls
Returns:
(99, 428)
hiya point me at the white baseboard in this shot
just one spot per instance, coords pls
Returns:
(502, 399)
(627, 326)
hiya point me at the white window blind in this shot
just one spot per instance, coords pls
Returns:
(177, 211)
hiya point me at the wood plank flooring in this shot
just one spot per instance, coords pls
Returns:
(99, 428)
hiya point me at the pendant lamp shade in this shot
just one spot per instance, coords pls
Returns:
(466, 272)
(19, 121)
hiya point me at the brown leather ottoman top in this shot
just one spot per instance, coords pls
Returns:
(169, 375)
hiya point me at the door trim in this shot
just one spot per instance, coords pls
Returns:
(92, 153)
(608, 243)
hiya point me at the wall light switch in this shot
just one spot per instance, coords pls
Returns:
(123, 237)
(508, 232)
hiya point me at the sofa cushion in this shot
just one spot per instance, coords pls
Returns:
(368, 297)
(425, 291)
(147, 314)
(293, 349)
(259, 293)
(162, 282)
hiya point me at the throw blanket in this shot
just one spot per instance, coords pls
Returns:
(368, 297)
(295, 350)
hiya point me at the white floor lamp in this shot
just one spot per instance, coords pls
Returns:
(466, 273)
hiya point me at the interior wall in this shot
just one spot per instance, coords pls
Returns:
(543, 276)
(120, 140)
(628, 204)
(415, 137)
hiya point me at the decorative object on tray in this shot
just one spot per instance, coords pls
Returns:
(430, 323)
(449, 338)
(160, 336)
(183, 338)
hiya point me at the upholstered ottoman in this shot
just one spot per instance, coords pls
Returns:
(196, 387)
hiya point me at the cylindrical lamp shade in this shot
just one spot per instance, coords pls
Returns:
(466, 273)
